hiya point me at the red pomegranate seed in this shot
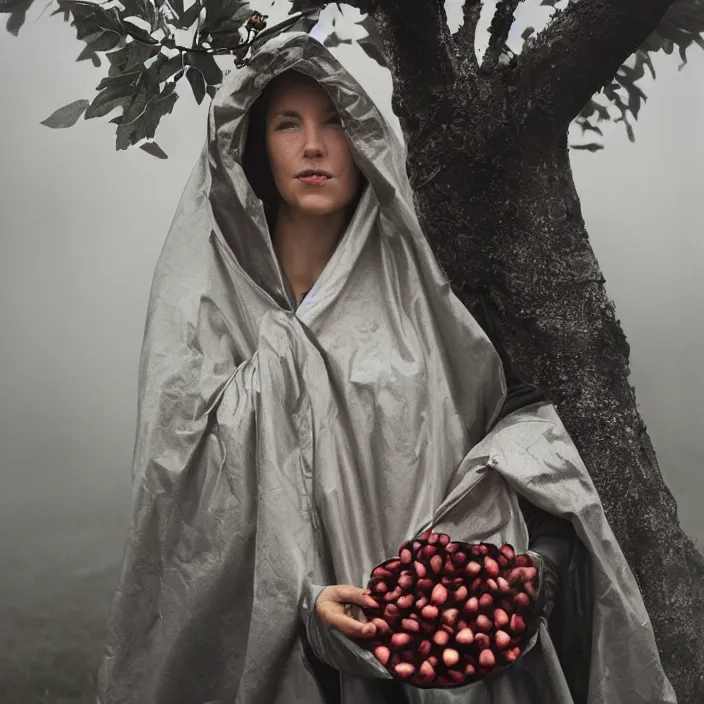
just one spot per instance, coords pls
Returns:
(473, 568)
(427, 670)
(392, 596)
(420, 569)
(485, 601)
(487, 659)
(500, 618)
(529, 573)
(459, 558)
(449, 616)
(382, 654)
(502, 639)
(507, 551)
(465, 637)
(484, 623)
(472, 605)
(439, 594)
(517, 624)
(400, 640)
(410, 625)
(491, 566)
(521, 600)
(450, 657)
(404, 670)
(441, 638)
(482, 640)
(405, 602)
(429, 612)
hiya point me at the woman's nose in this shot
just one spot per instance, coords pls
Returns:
(313, 142)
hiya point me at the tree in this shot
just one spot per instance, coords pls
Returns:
(489, 163)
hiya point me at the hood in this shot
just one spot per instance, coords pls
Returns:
(238, 214)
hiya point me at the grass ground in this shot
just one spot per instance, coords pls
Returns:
(55, 591)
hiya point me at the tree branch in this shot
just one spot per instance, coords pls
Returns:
(499, 31)
(465, 36)
(419, 49)
(580, 52)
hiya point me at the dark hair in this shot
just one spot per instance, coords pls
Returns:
(255, 159)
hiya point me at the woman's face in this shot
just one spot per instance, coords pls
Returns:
(311, 163)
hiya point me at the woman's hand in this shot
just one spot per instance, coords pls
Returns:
(335, 604)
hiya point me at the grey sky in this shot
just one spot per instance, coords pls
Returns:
(82, 227)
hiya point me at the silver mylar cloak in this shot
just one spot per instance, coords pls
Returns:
(279, 450)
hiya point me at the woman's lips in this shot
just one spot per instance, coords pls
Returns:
(313, 180)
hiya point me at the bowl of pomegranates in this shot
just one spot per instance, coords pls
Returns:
(450, 613)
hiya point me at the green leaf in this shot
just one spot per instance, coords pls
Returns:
(66, 116)
(115, 91)
(137, 8)
(132, 56)
(187, 18)
(154, 149)
(139, 34)
(103, 41)
(166, 68)
(17, 9)
(143, 125)
(9, 6)
(88, 53)
(195, 78)
(15, 21)
(89, 17)
(206, 64)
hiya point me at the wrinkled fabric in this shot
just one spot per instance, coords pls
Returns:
(280, 449)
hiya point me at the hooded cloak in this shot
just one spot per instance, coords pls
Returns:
(280, 449)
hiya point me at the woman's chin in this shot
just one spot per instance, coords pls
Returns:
(318, 206)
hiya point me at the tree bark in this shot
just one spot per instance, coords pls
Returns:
(496, 199)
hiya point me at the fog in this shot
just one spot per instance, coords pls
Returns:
(82, 227)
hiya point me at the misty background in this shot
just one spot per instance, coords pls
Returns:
(81, 228)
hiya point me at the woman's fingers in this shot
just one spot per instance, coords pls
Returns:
(331, 610)
(347, 625)
(347, 594)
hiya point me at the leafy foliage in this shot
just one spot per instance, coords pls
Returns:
(139, 40)
(17, 9)
(682, 26)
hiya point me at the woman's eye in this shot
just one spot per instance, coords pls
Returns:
(285, 125)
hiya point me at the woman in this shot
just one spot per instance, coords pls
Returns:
(311, 395)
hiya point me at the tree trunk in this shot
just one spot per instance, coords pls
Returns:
(502, 215)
